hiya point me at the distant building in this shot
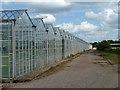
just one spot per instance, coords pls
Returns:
(115, 45)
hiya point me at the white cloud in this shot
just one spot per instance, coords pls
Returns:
(44, 6)
(87, 31)
(107, 18)
(47, 18)
(31, 0)
(49, 6)
(50, 3)
(83, 27)
(87, 26)
(91, 15)
(59, 0)
(93, 0)
(93, 36)
(67, 27)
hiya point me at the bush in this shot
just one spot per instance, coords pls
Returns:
(103, 45)
(94, 44)
(72, 55)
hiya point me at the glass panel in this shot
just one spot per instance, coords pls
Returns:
(10, 14)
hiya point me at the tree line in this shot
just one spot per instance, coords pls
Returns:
(103, 45)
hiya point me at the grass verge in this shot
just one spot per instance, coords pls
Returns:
(111, 56)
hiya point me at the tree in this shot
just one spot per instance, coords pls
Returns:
(111, 41)
(103, 45)
(94, 44)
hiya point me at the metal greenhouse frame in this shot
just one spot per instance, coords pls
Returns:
(17, 45)
(27, 43)
(58, 44)
(41, 42)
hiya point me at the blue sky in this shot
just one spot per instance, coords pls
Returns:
(90, 21)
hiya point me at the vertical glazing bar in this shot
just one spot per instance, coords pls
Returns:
(31, 50)
(38, 54)
(47, 47)
(13, 51)
(63, 48)
(1, 47)
(55, 51)
(1, 54)
(9, 53)
(40, 50)
(26, 26)
(22, 60)
(38, 46)
(15, 45)
(18, 38)
(35, 46)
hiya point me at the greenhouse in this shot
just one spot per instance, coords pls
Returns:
(28, 43)
(16, 43)
(58, 44)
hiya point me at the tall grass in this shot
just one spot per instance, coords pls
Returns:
(111, 54)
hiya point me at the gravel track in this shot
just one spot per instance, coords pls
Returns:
(82, 72)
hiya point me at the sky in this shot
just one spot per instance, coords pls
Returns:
(89, 20)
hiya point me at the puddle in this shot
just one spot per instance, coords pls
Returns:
(67, 66)
(101, 59)
(102, 63)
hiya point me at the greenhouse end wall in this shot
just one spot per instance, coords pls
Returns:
(27, 44)
(6, 49)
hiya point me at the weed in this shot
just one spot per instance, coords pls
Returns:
(3, 81)
(72, 55)
(15, 80)
(47, 71)
(51, 68)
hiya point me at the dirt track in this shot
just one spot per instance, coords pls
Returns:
(82, 72)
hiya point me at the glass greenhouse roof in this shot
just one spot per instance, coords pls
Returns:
(55, 29)
(47, 26)
(6, 15)
(11, 14)
(36, 20)
(61, 32)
